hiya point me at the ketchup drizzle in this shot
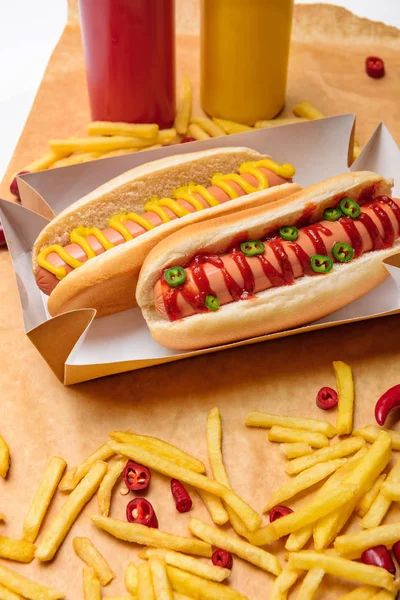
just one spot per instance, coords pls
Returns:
(313, 232)
(303, 258)
(373, 231)
(388, 230)
(355, 238)
(390, 202)
(245, 270)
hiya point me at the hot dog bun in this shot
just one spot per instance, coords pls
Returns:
(278, 308)
(108, 281)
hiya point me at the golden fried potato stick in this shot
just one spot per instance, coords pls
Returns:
(342, 567)
(352, 545)
(75, 159)
(196, 132)
(214, 506)
(345, 386)
(382, 503)
(2, 517)
(306, 110)
(161, 448)
(366, 592)
(178, 596)
(6, 594)
(278, 122)
(296, 449)
(208, 126)
(391, 491)
(303, 481)
(284, 434)
(367, 500)
(147, 131)
(161, 584)
(73, 476)
(199, 588)
(4, 458)
(298, 539)
(187, 563)
(145, 583)
(119, 597)
(310, 584)
(18, 550)
(58, 529)
(231, 126)
(218, 538)
(131, 578)
(249, 516)
(384, 595)
(284, 582)
(184, 111)
(44, 162)
(261, 419)
(91, 585)
(339, 450)
(140, 534)
(86, 551)
(26, 588)
(42, 499)
(371, 432)
(107, 485)
(107, 144)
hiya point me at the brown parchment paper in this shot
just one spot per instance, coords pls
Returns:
(40, 418)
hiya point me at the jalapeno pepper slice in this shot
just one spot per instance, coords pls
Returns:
(212, 302)
(321, 263)
(252, 247)
(175, 276)
(332, 214)
(288, 233)
(342, 252)
(350, 208)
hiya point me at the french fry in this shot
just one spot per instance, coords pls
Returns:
(344, 568)
(107, 485)
(131, 578)
(140, 534)
(75, 159)
(218, 538)
(371, 432)
(187, 563)
(339, 450)
(303, 481)
(166, 136)
(178, 596)
(119, 597)
(56, 532)
(91, 585)
(391, 491)
(6, 594)
(208, 126)
(231, 126)
(97, 144)
(161, 585)
(160, 447)
(306, 110)
(283, 583)
(14, 582)
(184, 105)
(153, 147)
(123, 151)
(284, 434)
(298, 539)
(367, 500)
(86, 551)
(249, 516)
(44, 162)
(381, 504)
(214, 507)
(199, 588)
(18, 550)
(145, 583)
(73, 476)
(310, 584)
(278, 122)
(42, 499)
(366, 592)
(4, 458)
(260, 419)
(147, 131)
(384, 595)
(196, 132)
(345, 386)
(353, 545)
(2, 517)
(296, 449)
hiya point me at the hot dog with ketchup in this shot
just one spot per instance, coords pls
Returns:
(91, 253)
(272, 267)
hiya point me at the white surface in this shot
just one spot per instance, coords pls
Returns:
(29, 30)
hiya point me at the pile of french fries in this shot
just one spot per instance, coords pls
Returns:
(352, 477)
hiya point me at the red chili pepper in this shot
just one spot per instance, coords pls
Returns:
(182, 499)
(136, 477)
(327, 398)
(140, 511)
(14, 185)
(279, 511)
(187, 139)
(374, 67)
(379, 556)
(386, 403)
(222, 558)
(2, 236)
(396, 551)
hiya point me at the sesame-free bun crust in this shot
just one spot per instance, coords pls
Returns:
(278, 308)
(108, 281)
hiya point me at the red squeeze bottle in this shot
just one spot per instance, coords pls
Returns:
(129, 48)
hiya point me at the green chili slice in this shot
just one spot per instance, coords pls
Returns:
(332, 214)
(288, 233)
(175, 276)
(343, 252)
(212, 302)
(252, 247)
(321, 263)
(350, 208)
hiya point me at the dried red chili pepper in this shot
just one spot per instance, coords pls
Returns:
(182, 499)
(140, 511)
(396, 551)
(279, 511)
(327, 398)
(136, 477)
(379, 556)
(374, 67)
(389, 401)
(14, 184)
(187, 139)
(222, 558)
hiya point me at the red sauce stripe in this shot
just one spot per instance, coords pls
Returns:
(313, 233)
(302, 257)
(388, 229)
(355, 238)
(245, 270)
(395, 208)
